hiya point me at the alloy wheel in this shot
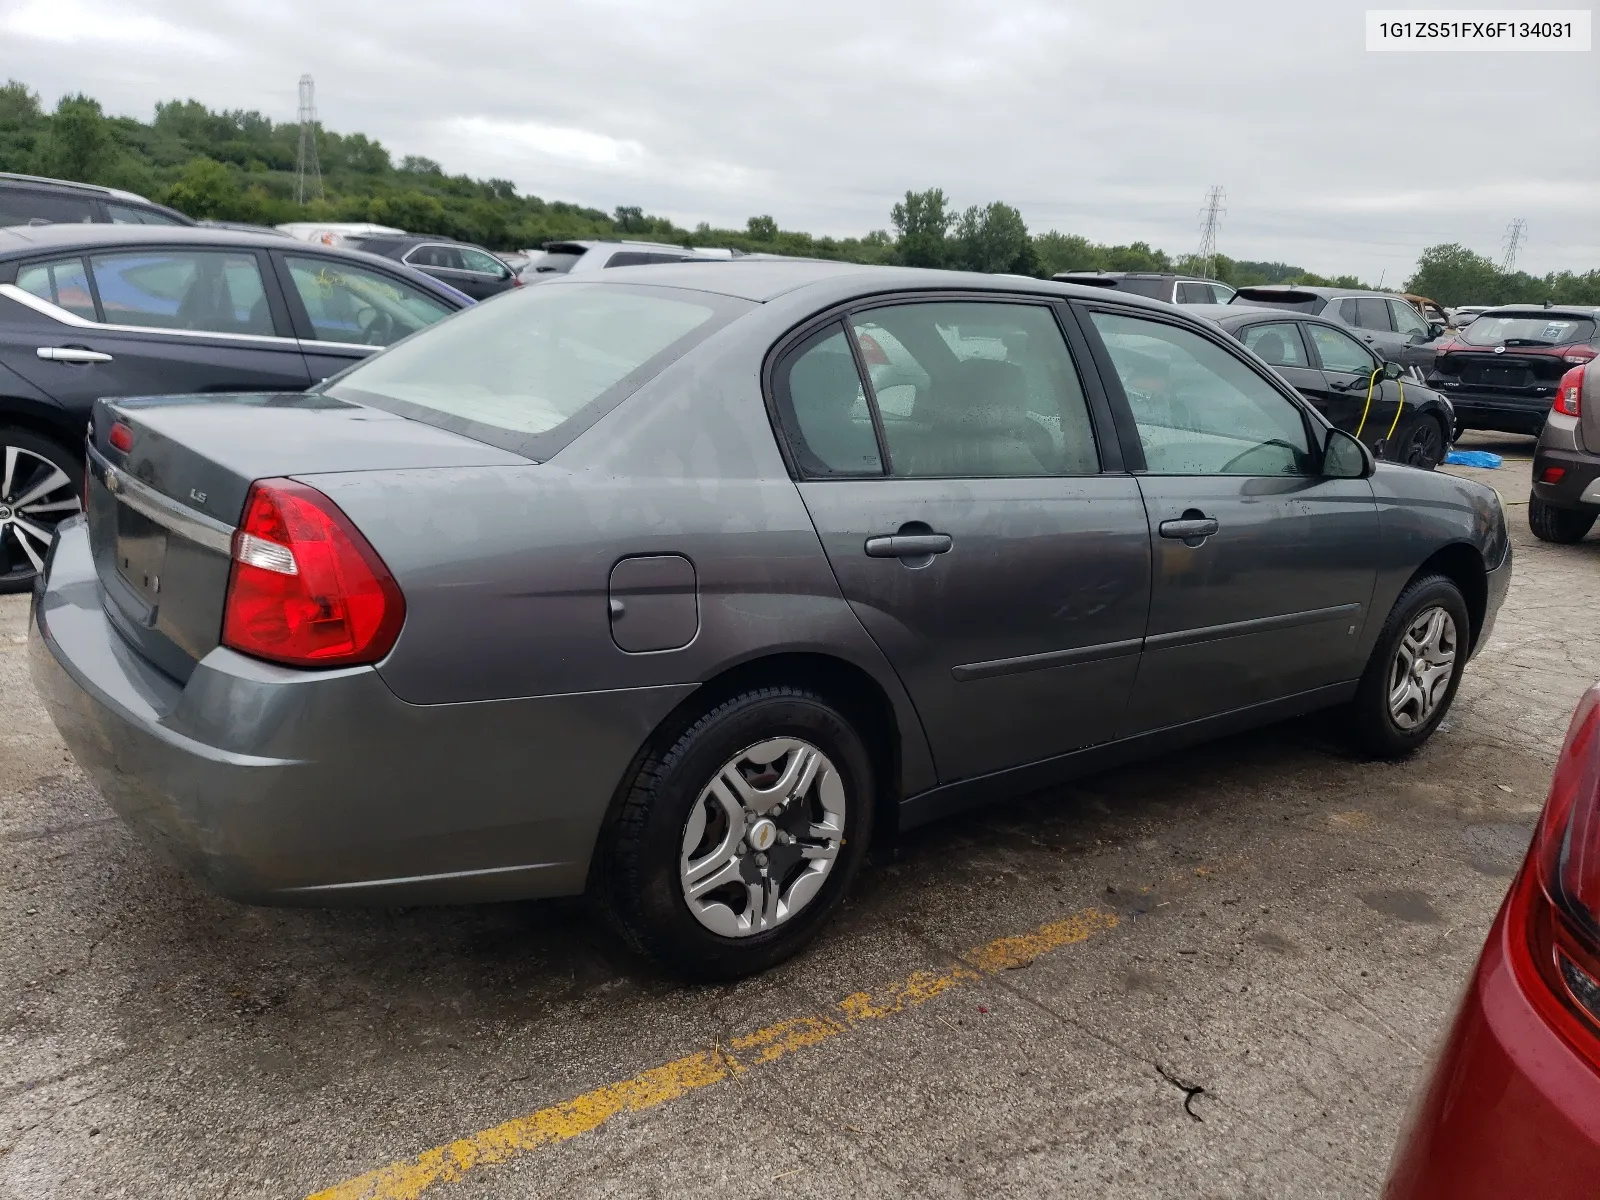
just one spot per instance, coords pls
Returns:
(762, 837)
(1424, 663)
(1425, 446)
(36, 495)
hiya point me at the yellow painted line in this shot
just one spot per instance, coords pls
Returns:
(410, 1178)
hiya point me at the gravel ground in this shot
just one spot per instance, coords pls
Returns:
(1266, 919)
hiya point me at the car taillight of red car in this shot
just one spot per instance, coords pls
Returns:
(1567, 393)
(306, 589)
(1554, 910)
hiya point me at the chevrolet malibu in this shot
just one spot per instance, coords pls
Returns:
(682, 587)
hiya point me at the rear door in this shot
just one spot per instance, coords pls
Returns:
(1262, 569)
(342, 311)
(981, 530)
(1281, 345)
(152, 321)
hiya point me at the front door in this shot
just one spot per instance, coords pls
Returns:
(1352, 372)
(150, 322)
(1262, 570)
(344, 312)
(960, 499)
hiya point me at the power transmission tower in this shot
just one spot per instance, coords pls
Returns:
(1512, 241)
(1210, 218)
(307, 171)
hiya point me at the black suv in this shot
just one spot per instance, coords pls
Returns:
(33, 200)
(1158, 285)
(465, 267)
(1501, 371)
(121, 310)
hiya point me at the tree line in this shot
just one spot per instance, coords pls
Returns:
(239, 165)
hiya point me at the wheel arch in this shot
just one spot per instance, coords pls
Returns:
(846, 684)
(1462, 564)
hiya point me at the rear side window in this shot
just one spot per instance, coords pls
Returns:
(511, 372)
(199, 290)
(822, 408)
(1195, 293)
(447, 257)
(976, 389)
(63, 283)
(127, 214)
(1277, 344)
(1372, 313)
(345, 303)
(1200, 410)
(24, 206)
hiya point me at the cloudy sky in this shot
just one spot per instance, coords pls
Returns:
(1108, 119)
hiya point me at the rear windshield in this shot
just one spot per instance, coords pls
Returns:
(534, 368)
(1308, 302)
(1526, 329)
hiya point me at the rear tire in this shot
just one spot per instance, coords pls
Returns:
(48, 479)
(715, 804)
(1406, 690)
(1423, 443)
(1560, 525)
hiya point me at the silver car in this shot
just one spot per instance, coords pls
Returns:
(683, 586)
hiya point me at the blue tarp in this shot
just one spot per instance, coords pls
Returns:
(1473, 458)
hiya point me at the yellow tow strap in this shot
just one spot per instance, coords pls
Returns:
(1372, 382)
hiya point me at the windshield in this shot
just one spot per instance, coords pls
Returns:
(516, 370)
(1526, 329)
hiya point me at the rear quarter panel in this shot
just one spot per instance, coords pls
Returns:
(505, 570)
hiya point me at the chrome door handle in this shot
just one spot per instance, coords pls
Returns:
(1189, 527)
(71, 354)
(908, 545)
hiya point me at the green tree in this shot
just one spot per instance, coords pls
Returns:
(922, 225)
(993, 238)
(1452, 274)
(414, 211)
(762, 229)
(205, 189)
(631, 219)
(80, 142)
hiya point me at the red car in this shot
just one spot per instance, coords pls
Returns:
(1513, 1108)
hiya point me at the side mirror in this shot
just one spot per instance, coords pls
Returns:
(1435, 329)
(1393, 370)
(1343, 457)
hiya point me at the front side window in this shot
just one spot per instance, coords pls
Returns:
(822, 408)
(202, 290)
(350, 304)
(1199, 409)
(1195, 293)
(63, 283)
(483, 264)
(1277, 344)
(512, 371)
(1406, 319)
(976, 389)
(1341, 352)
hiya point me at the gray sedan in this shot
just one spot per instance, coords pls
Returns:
(683, 587)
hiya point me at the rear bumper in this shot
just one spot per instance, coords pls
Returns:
(1510, 1109)
(281, 786)
(1507, 410)
(1579, 485)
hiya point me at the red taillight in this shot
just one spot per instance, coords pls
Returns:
(1555, 904)
(306, 589)
(1579, 354)
(1552, 475)
(120, 437)
(1567, 402)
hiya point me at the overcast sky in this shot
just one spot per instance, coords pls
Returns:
(1109, 119)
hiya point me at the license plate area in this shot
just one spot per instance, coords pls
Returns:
(141, 550)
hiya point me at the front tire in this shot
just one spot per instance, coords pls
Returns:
(1411, 679)
(1560, 525)
(41, 485)
(1423, 444)
(735, 842)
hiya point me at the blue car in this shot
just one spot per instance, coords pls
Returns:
(88, 311)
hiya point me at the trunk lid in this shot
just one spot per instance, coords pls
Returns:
(161, 512)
